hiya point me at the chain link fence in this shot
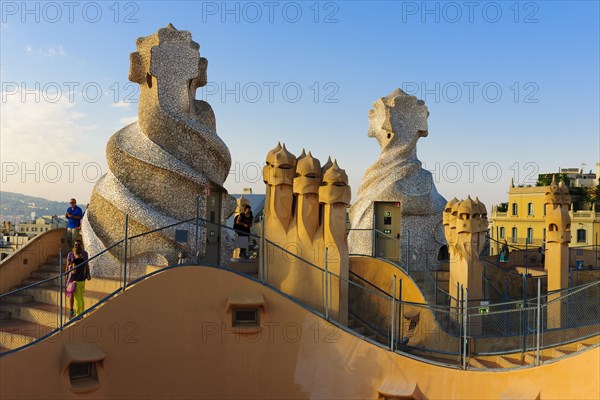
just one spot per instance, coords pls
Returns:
(444, 331)
(370, 311)
(295, 277)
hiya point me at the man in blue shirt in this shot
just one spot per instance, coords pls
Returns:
(73, 215)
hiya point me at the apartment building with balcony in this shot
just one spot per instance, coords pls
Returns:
(522, 220)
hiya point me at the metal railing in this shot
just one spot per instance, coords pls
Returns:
(449, 333)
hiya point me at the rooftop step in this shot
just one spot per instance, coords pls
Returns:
(31, 281)
(484, 364)
(50, 295)
(17, 298)
(50, 267)
(15, 333)
(245, 266)
(39, 313)
(511, 362)
(531, 357)
(55, 259)
(41, 275)
(557, 353)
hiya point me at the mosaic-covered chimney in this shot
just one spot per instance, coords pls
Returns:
(160, 163)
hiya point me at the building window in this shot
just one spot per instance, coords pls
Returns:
(83, 376)
(514, 235)
(501, 232)
(530, 209)
(529, 235)
(82, 370)
(515, 209)
(245, 316)
(581, 236)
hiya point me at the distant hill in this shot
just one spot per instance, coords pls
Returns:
(17, 206)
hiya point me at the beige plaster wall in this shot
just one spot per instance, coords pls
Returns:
(169, 337)
(21, 264)
(381, 274)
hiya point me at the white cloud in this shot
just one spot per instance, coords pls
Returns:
(55, 51)
(77, 115)
(128, 120)
(43, 149)
(120, 104)
(52, 51)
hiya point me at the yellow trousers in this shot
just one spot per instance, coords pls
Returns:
(79, 297)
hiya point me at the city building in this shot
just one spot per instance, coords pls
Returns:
(10, 244)
(41, 225)
(522, 220)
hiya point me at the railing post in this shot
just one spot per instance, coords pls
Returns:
(526, 256)
(465, 326)
(326, 284)
(399, 250)
(197, 244)
(497, 244)
(407, 250)
(524, 323)
(596, 249)
(538, 323)
(373, 238)
(125, 250)
(458, 305)
(436, 289)
(60, 290)
(400, 316)
(393, 315)
(262, 248)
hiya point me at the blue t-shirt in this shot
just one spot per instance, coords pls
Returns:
(72, 222)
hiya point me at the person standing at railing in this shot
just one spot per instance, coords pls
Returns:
(70, 264)
(242, 225)
(73, 215)
(542, 251)
(79, 275)
(504, 252)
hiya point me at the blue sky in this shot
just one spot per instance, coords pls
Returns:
(512, 87)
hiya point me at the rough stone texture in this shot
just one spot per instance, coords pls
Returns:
(160, 163)
(397, 122)
(305, 213)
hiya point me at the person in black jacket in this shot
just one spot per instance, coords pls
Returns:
(242, 225)
(80, 274)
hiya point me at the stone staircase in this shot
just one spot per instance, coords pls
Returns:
(355, 325)
(411, 321)
(248, 267)
(517, 360)
(34, 312)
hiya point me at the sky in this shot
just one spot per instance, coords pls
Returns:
(512, 87)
